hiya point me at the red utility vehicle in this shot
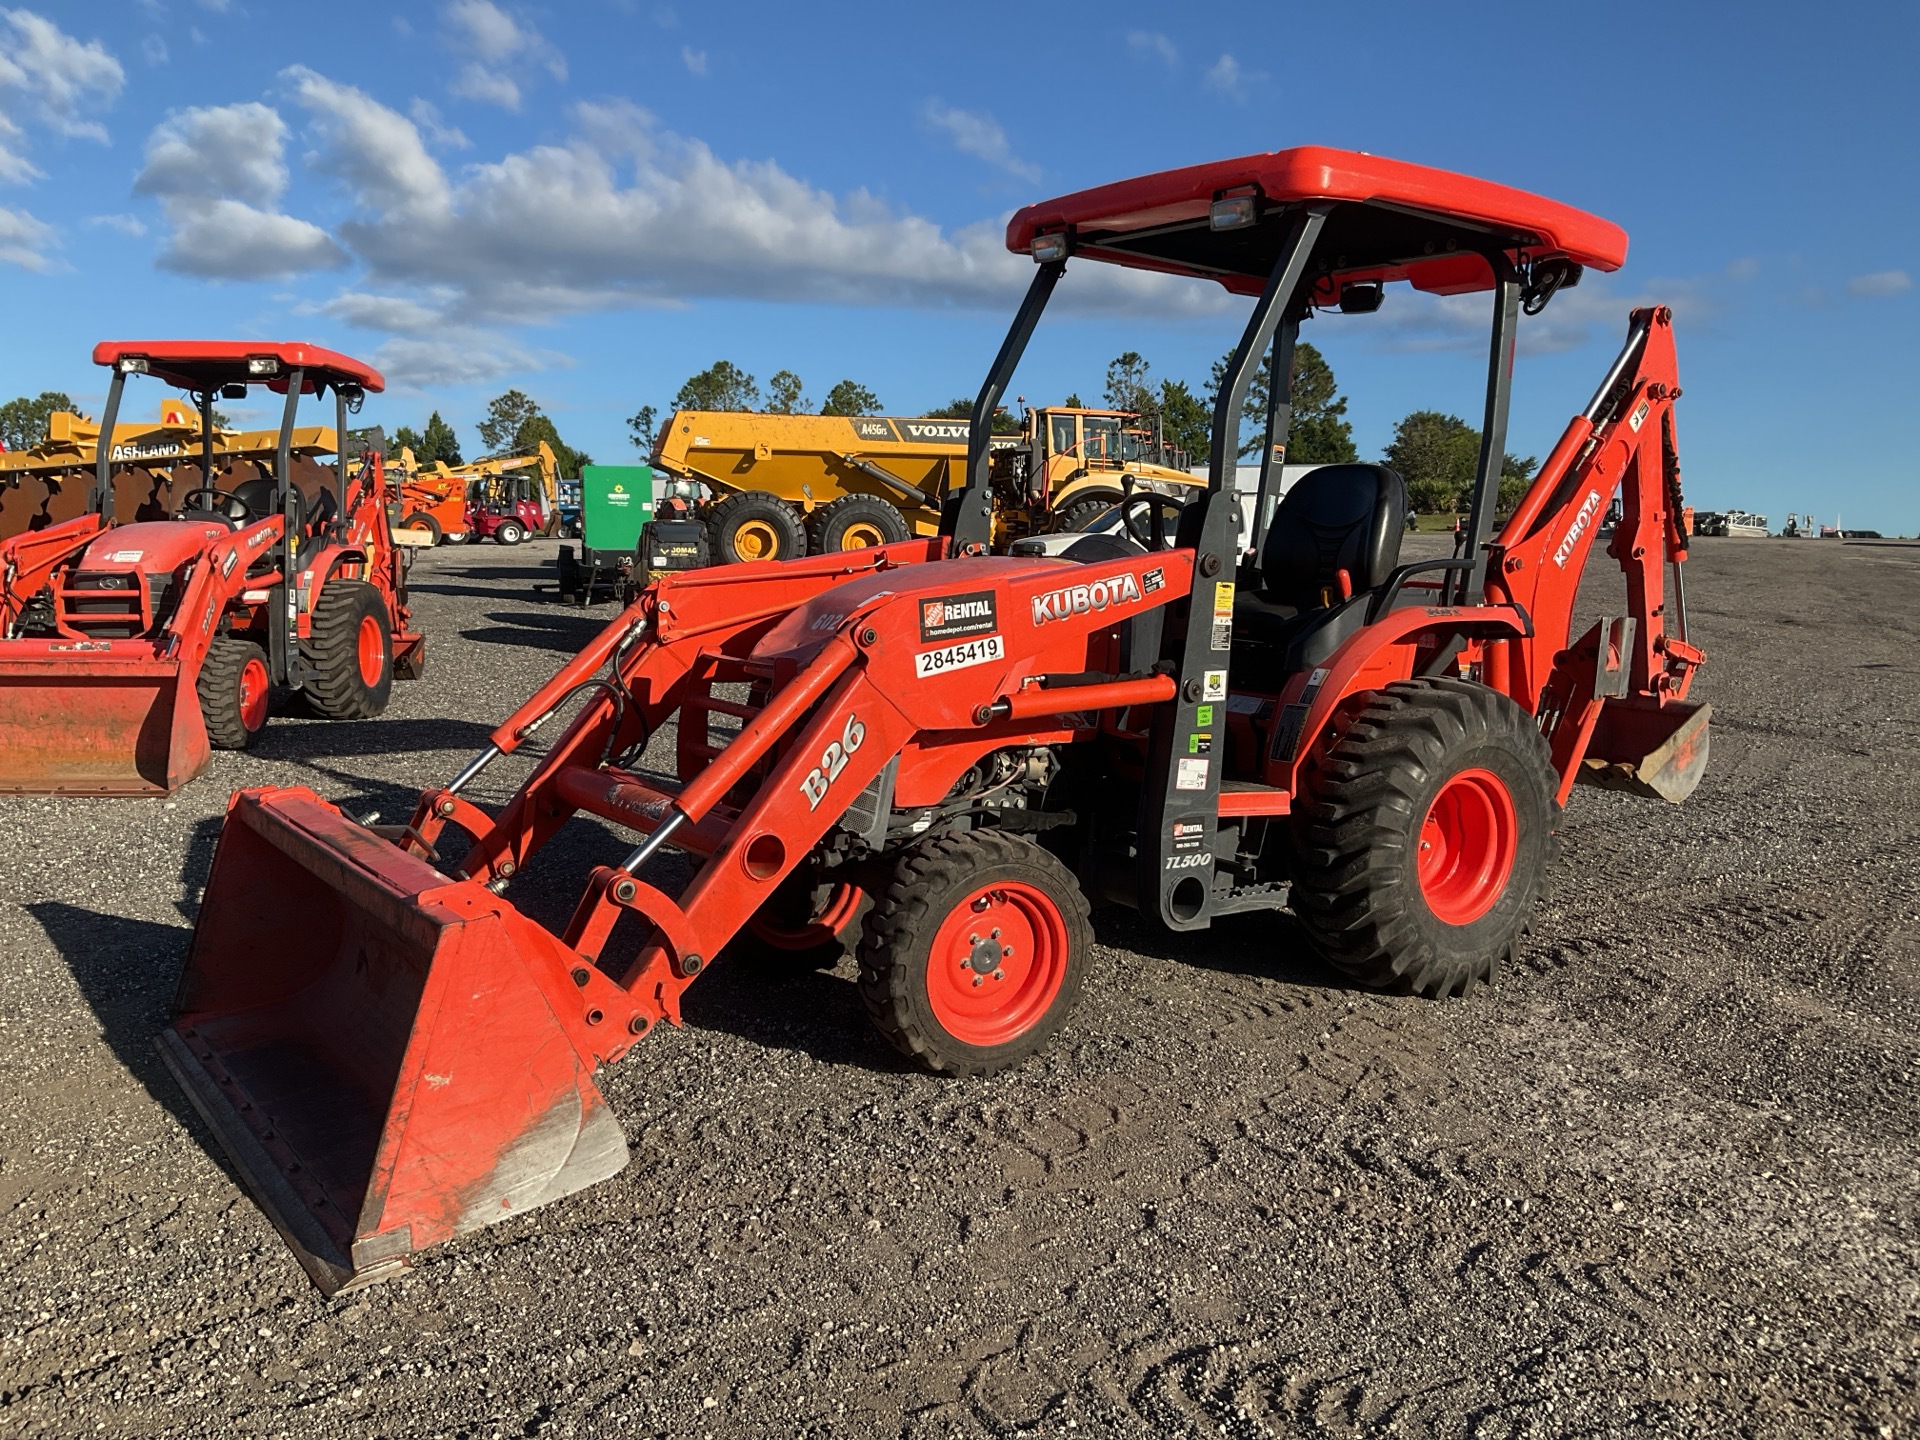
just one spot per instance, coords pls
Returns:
(130, 650)
(982, 744)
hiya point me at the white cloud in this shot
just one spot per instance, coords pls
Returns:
(1880, 284)
(1744, 268)
(1153, 43)
(694, 60)
(153, 50)
(130, 225)
(217, 150)
(1231, 78)
(979, 136)
(498, 47)
(447, 137)
(24, 241)
(218, 175)
(452, 357)
(231, 240)
(50, 79)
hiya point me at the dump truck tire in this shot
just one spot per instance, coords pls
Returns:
(236, 692)
(1078, 514)
(974, 951)
(420, 520)
(1424, 837)
(352, 648)
(856, 522)
(754, 526)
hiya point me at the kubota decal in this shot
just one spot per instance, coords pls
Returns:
(832, 761)
(1589, 508)
(1085, 599)
(952, 616)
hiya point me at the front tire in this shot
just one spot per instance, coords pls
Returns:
(420, 520)
(510, 532)
(236, 692)
(352, 649)
(974, 952)
(1423, 838)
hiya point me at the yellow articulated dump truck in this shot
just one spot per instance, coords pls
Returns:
(779, 486)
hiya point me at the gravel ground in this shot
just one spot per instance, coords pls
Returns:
(1660, 1179)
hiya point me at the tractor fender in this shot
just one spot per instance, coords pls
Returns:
(1385, 651)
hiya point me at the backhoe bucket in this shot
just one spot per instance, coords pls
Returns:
(80, 723)
(376, 1046)
(1659, 751)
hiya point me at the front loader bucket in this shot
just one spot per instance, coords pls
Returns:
(376, 1046)
(90, 723)
(1659, 751)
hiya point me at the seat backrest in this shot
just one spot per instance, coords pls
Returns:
(1339, 517)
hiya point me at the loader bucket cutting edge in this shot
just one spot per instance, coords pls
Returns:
(98, 725)
(372, 1045)
(1656, 751)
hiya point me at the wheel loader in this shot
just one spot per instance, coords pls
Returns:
(130, 651)
(972, 749)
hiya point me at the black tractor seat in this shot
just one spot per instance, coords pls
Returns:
(1338, 517)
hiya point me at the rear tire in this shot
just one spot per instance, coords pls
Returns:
(236, 690)
(857, 522)
(1078, 514)
(352, 649)
(420, 520)
(974, 952)
(510, 532)
(753, 525)
(1423, 838)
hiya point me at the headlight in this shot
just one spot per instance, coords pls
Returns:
(1048, 248)
(263, 365)
(1235, 212)
(134, 365)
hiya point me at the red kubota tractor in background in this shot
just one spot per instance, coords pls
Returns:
(983, 744)
(130, 650)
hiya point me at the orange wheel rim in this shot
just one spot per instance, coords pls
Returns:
(254, 689)
(372, 647)
(997, 964)
(1468, 844)
(756, 540)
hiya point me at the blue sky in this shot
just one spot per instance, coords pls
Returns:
(593, 200)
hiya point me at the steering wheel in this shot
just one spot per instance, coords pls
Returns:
(1154, 523)
(218, 512)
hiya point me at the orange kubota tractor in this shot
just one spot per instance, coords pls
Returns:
(983, 744)
(128, 651)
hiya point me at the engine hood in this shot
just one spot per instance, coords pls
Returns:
(153, 546)
(800, 636)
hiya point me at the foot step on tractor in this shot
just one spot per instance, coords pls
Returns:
(129, 652)
(971, 748)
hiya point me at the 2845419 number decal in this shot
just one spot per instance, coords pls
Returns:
(959, 657)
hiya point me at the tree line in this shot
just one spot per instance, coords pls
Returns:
(513, 425)
(723, 385)
(1435, 453)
